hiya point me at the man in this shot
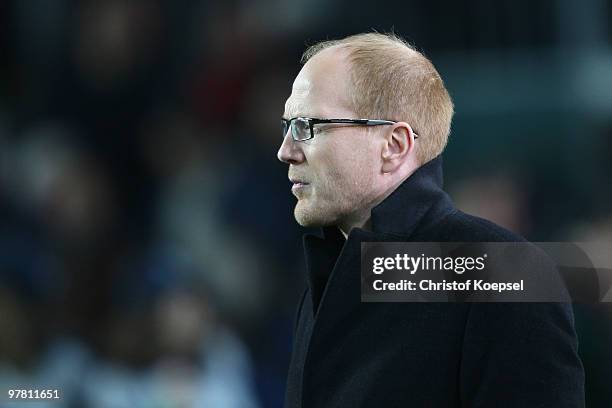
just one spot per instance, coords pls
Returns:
(380, 179)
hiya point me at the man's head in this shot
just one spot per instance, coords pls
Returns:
(346, 169)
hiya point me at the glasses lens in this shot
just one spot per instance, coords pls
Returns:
(284, 127)
(300, 129)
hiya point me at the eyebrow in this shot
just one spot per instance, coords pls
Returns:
(302, 115)
(287, 117)
(293, 114)
(297, 110)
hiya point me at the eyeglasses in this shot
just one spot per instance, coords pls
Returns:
(303, 128)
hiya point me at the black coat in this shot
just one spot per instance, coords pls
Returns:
(352, 354)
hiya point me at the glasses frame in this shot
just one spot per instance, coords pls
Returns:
(287, 124)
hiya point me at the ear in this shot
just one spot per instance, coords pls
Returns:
(398, 147)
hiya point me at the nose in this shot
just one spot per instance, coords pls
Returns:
(290, 151)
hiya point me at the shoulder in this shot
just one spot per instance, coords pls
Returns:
(461, 227)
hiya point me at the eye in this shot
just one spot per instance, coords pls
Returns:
(301, 129)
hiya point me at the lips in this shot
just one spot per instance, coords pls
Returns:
(298, 182)
(298, 186)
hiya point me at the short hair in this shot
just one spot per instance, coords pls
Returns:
(393, 81)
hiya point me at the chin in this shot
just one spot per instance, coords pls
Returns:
(309, 217)
(305, 219)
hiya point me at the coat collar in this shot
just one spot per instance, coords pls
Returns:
(417, 203)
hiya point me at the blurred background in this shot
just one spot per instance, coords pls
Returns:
(148, 252)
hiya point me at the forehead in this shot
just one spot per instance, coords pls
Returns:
(321, 88)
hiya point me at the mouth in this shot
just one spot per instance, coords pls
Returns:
(298, 184)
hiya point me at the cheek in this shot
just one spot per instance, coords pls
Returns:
(348, 173)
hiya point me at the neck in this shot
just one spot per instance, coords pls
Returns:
(363, 219)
